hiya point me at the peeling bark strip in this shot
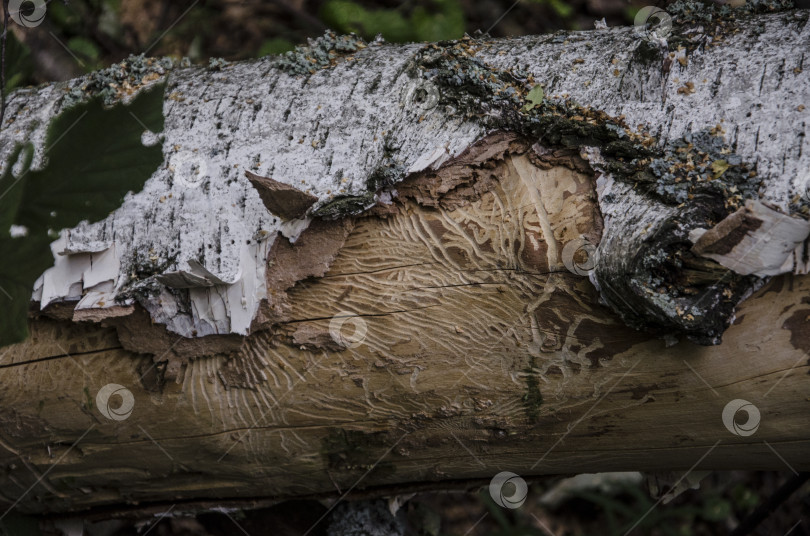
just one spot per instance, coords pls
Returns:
(470, 337)
(754, 240)
(340, 121)
(439, 233)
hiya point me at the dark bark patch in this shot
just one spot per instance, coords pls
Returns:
(474, 172)
(724, 237)
(799, 326)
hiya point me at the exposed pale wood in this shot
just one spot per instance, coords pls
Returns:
(465, 308)
(475, 348)
(357, 126)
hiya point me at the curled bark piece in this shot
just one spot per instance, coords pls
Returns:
(467, 325)
(355, 129)
(97, 305)
(196, 276)
(755, 239)
(283, 200)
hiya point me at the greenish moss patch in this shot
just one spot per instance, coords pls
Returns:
(532, 398)
(121, 80)
(320, 53)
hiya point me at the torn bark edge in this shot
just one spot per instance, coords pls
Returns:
(652, 275)
(460, 181)
(756, 239)
(455, 183)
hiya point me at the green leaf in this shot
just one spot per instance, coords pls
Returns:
(94, 157)
(84, 47)
(347, 16)
(441, 19)
(447, 23)
(534, 98)
(277, 45)
(19, 65)
(561, 8)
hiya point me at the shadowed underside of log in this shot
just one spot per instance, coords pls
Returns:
(445, 341)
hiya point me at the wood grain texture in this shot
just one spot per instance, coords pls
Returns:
(350, 129)
(480, 353)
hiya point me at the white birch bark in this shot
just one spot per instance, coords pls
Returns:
(328, 133)
(456, 274)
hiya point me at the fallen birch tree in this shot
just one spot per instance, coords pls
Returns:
(365, 269)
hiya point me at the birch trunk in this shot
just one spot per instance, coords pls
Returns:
(378, 268)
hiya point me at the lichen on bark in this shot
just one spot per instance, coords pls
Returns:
(337, 121)
(698, 173)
